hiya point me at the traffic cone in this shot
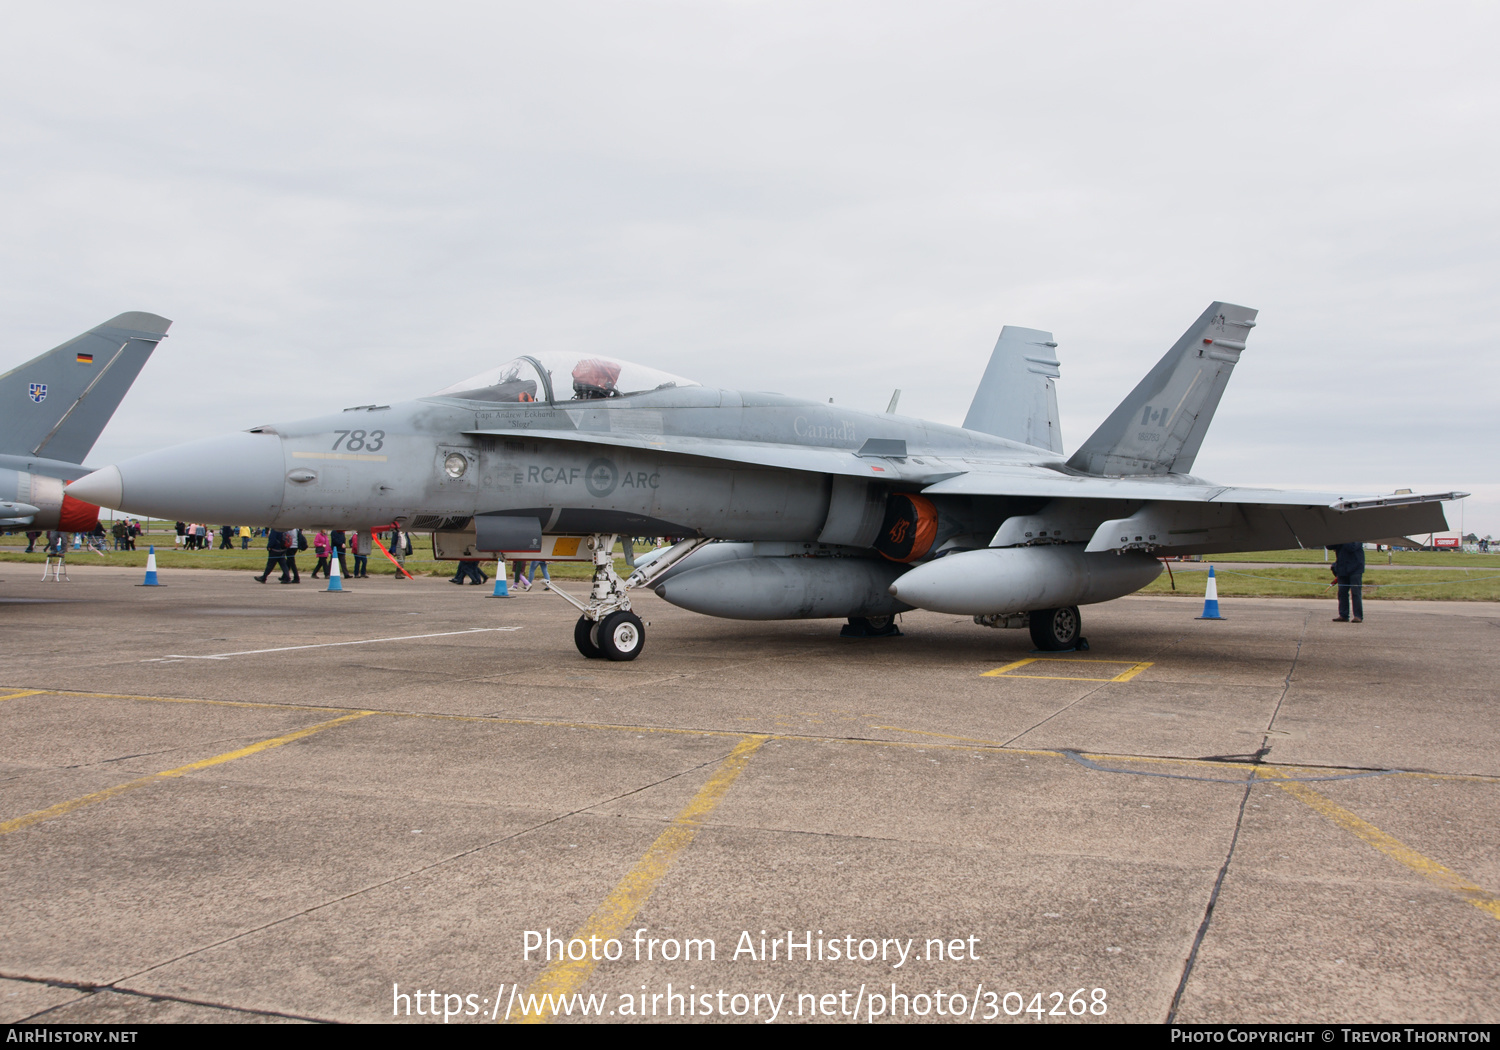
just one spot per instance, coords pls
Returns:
(1211, 598)
(335, 581)
(151, 580)
(500, 589)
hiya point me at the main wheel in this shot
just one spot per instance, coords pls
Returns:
(1053, 630)
(582, 637)
(622, 636)
(870, 627)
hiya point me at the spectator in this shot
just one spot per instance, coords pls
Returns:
(361, 549)
(321, 549)
(1349, 571)
(468, 569)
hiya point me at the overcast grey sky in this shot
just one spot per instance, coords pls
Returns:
(340, 204)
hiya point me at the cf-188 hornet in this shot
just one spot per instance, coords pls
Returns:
(780, 507)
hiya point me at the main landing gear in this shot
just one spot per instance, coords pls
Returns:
(1052, 630)
(870, 627)
(1056, 630)
(608, 629)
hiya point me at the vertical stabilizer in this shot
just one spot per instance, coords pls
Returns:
(1017, 398)
(1159, 428)
(56, 405)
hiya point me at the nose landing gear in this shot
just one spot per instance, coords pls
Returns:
(608, 628)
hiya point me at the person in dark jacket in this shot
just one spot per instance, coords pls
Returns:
(275, 556)
(337, 542)
(468, 569)
(1349, 571)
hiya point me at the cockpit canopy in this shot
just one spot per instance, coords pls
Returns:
(555, 377)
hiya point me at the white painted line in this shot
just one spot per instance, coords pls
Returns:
(325, 645)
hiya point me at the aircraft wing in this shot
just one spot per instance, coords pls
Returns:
(1041, 481)
(1178, 515)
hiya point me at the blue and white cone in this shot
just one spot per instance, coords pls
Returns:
(500, 589)
(151, 580)
(335, 581)
(1211, 598)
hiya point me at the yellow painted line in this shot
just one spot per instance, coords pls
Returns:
(23, 692)
(17, 823)
(1123, 676)
(192, 700)
(1008, 667)
(565, 976)
(995, 744)
(1393, 847)
(1126, 676)
(364, 457)
(624, 727)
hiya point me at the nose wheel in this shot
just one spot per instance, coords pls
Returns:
(619, 636)
(583, 637)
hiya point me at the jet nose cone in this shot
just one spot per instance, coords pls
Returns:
(102, 487)
(234, 478)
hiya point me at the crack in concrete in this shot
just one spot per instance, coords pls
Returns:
(1239, 821)
(88, 991)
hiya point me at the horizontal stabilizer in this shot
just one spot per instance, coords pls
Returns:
(57, 404)
(1159, 428)
(1017, 398)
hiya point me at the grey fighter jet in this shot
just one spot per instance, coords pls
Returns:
(56, 405)
(780, 507)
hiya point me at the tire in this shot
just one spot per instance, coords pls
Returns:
(871, 627)
(622, 636)
(582, 632)
(1053, 630)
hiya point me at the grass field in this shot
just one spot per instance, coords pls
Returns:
(169, 556)
(1446, 559)
(1249, 581)
(1451, 576)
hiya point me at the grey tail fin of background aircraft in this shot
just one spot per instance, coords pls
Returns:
(1017, 398)
(1159, 428)
(56, 405)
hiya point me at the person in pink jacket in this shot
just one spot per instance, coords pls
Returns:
(321, 549)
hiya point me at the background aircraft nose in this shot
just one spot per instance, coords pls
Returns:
(237, 478)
